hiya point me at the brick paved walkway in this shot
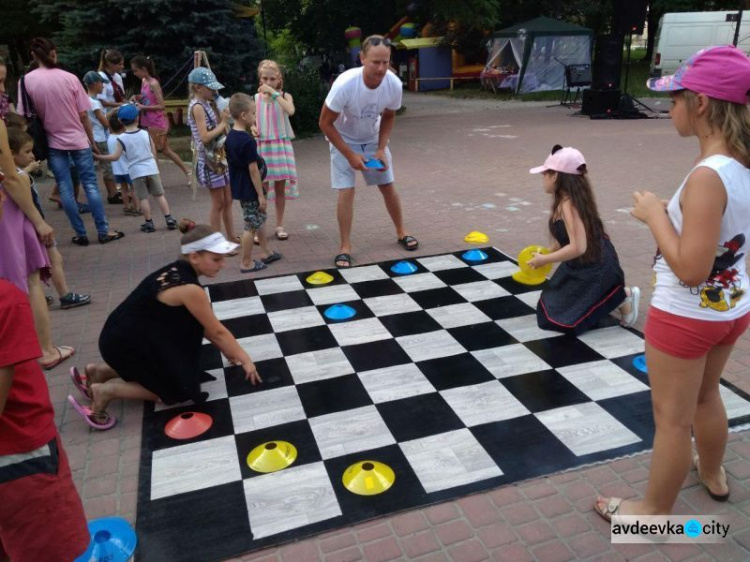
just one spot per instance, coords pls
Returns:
(460, 166)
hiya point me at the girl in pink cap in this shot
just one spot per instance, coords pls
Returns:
(589, 283)
(700, 305)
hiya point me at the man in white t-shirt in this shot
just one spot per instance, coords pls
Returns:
(357, 119)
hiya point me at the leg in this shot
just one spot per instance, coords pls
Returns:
(393, 205)
(260, 232)
(217, 207)
(50, 353)
(345, 216)
(226, 213)
(58, 274)
(279, 188)
(173, 156)
(146, 208)
(111, 187)
(84, 163)
(247, 249)
(59, 163)
(163, 205)
(116, 388)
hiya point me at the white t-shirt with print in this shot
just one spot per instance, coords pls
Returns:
(100, 133)
(137, 148)
(119, 166)
(360, 107)
(108, 93)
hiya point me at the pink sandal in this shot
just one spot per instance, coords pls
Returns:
(88, 416)
(79, 381)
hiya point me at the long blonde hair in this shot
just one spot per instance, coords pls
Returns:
(271, 65)
(732, 120)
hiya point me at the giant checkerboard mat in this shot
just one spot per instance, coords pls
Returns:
(443, 375)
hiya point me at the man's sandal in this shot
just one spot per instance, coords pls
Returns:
(81, 382)
(343, 261)
(714, 496)
(98, 420)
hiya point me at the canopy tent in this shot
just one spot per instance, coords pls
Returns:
(532, 56)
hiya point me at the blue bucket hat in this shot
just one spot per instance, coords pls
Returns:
(204, 77)
(127, 113)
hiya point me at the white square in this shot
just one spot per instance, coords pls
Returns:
(430, 345)
(195, 466)
(333, 294)
(366, 273)
(612, 342)
(587, 428)
(392, 304)
(480, 290)
(350, 431)
(734, 404)
(278, 285)
(441, 263)
(237, 308)
(288, 499)
(419, 282)
(483, 403)
(601, 379)
(531, 298)
(216, 390)
(525, 328)
(260, 348)
(449, 460)
(266, 408)
(497, 270)
(510, 360)
(455, 315)
(295, 319)
(319, 365)
(395, 383)
(359, 331)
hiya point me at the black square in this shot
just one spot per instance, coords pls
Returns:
(459, 276)
(298, 433)
(481, 336)
(218, 410)
(493, 256)
(247, 326)
(516, 288)
(523, 447)
(362, 311)
(634, 411)
(432, 298)
(410, 323)
(333, 272)
(285, 301)
(375, 355)
(501, 308)
(333, 395)
(274, 372)
(419, 416)
(626, 364)
(544, 390)
(232, 290)
(210, 358)
(387, 265)
(377, 288)
(454, 371)
(306, 339)
(562, 351)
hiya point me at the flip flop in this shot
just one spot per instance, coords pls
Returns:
(281, 234)
(628, 320)
(60, 358)
(80, 382)
(259, 266)
(272, 257)
(343, 258)
(87, 415)
(409, 243)
(106, 238)
(715, 497)
(610, 509)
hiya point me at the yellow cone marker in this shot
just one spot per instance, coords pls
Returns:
(475, 237)
(272, 456)
(527, 275)
(319, 278)
(368, 478)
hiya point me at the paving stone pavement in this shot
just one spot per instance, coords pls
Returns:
(460, 166)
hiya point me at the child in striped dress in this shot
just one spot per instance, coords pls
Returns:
(275, 134)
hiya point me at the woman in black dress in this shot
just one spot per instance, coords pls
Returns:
(151, 343)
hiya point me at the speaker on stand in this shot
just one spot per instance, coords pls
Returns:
(602, 100)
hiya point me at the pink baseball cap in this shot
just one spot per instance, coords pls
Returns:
(722, 73)
(567, 160)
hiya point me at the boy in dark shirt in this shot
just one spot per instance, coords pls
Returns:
(246, 182)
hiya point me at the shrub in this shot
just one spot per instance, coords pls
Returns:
(309, 93)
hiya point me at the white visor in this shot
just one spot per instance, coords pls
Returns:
(215, 243)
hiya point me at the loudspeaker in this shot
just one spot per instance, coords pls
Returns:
(600, 102)
(577, 75)
(630, 16)
(607, 62)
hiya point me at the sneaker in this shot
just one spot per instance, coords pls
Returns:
(80, 240)
(171, 223)
(148, 226)
(72, 300)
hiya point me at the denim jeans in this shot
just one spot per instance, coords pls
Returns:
(59, 162)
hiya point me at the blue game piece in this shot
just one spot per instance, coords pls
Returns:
(339, 312)
(374, 164)
(112, 540)
(639, 362)
(474, 255)
(404, 268)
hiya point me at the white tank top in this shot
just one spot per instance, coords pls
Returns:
(723, 296)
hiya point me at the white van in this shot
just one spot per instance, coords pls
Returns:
(682, 34)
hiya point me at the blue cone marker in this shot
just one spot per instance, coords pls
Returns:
(112, 540)
(474, 256)
(339, 312)
(639, 362)
(404, 268)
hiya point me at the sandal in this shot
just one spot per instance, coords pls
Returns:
(106, 238)
(259, 266)
(409, 243)
(81, 382)
(98, 420)
(281, 234)
(272, 257)
(346, 259)
(715, 497)
(613, 505)
(60, 358)
(628, 320)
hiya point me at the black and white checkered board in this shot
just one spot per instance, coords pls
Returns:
(442, 374)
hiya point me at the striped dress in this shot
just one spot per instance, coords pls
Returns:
(206, 177)
(275, 145)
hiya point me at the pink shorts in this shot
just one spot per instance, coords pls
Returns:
(688, 338)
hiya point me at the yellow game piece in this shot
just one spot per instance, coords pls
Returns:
(527, 275)
(272, 456)
(475, 237)
(319, 278)
(368, 478)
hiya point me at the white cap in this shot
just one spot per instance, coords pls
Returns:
(215, 243)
